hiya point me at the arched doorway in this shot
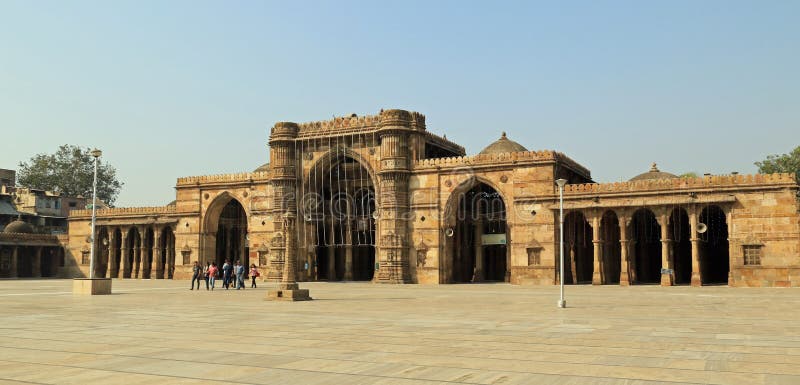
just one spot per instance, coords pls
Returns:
(646, 247)
(612, 253)
(229, 238)
(477, 235)
(714, 252)
(339, 219)
(147, 253)
(680, 235)
(578, 249)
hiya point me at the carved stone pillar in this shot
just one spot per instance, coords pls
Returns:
(126, 266)
(696, 278)
(348, 252)
(155, 261)
(394, 130)
(479, 274)
(284, 176)
(331, 273)
(597, 272)
(624, 280)
(666, 251)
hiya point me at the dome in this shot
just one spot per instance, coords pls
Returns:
(19, 226)
(503, 145)
(654, 173)
(263, 168)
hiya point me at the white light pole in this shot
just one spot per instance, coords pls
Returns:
(561, 182)
(96, 154)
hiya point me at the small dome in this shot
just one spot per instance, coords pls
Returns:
(263, 168)
(503, 145)
(654, 173)
(173, 203)
(19, 226)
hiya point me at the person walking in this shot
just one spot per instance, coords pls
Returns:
(212, 274)
(205, 273)
(239, 271)
(226, 274)
(253, 275)
(197, 274)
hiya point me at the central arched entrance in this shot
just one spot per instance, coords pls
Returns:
(339, 219)
(231, 233)
(476, 236)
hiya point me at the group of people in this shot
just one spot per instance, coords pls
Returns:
(232, 275)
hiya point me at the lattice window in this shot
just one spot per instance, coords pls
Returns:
(534, 256)
(85, 255)
(752, 255)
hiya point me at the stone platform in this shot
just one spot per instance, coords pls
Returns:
(155, 331)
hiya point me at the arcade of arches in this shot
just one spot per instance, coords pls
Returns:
(647, 246)
(145, 251)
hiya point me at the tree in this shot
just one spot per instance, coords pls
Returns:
(690, 174)
(788, 163)
(70, 171)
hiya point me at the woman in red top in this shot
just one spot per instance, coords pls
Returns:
(212, 274)
(254, 274)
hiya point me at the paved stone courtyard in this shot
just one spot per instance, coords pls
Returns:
(353, 333)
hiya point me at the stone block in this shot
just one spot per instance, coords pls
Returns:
(91, 286)
(288, 295)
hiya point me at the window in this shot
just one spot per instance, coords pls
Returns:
(73, 204)
(752, 255)
(534, 256)
(85, 257)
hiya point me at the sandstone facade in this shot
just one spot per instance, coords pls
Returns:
(380, 198)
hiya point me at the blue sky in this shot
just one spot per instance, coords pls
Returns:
(180, 88)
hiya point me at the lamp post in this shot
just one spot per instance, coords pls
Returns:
(561, 182)
(96, 154)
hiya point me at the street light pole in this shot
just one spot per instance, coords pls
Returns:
(96, 154)
(561, 182)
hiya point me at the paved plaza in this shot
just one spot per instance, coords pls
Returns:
(157, 332)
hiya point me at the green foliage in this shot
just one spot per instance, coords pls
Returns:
(690, 174)
(70, 171)
(788, 163)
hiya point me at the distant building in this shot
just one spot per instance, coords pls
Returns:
(46, 211)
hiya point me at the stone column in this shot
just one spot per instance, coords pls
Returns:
(14, 262)
(348, 256)
(331, 274)
(732, 249)
(479, 274)
(137, 254)
(696, 278)
(666, 260)
(126, 268)
(37, 263)
(597, 273)
(393, 175)
(155, 262)
(284, 162)
(623, 243)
